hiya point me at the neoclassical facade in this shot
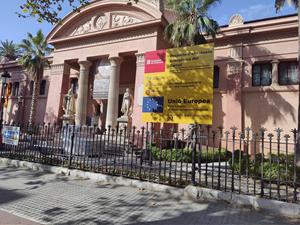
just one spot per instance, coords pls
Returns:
(255, 65)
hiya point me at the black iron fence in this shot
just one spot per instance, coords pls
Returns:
(261, 163)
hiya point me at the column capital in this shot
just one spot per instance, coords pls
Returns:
(140, 59)
(84, 64)
(115, 60)
(275, 61)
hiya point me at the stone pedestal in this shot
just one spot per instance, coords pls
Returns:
(68, 120)
(84, 141)
(124, 121)
(95, 121)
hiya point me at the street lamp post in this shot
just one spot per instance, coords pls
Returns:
(4, 77)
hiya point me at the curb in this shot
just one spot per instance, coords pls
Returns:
(195, 193)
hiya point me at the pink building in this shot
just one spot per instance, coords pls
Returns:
(255, 67)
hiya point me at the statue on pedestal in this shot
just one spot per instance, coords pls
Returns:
(69, 107)
(127, 110)
(96, 113)
(127, 104)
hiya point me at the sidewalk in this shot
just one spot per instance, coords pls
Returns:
(10, 219)
(52, 199)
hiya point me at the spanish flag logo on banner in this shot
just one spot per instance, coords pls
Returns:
(7, 94)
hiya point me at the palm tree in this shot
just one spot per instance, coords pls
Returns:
(278, 5)
(191, 25)
(34, 51)
(9, 50)
(192, 22)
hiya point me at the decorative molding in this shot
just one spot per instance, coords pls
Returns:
(78, 44)
(84, 65)
(96, 23)
(57, 66)
(82, 29)
(236, 20)
(115, 61)
(140, 59)
(234, 67)
(236, 52)
(59, 69)
(100, 22)
(123, 20)
(275, 61)
(272, 88)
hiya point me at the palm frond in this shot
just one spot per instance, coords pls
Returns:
(34, 51)
(9, 50)
(207, 4)
(191, 23)
(280, 3)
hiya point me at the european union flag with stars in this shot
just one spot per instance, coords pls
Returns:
(153, 104)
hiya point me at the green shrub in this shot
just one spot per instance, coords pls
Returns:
(270, 169)
(185, 155)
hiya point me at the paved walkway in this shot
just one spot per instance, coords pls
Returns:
(52, 199)
(10, 219)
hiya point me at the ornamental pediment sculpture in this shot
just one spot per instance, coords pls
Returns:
(96, 23)
(123, 20)
(101, 22)
(236, 20)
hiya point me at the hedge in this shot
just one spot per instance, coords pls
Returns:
(271, 166)
(185, 155)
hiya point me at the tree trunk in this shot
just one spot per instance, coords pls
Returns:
(35, 94)
(298, 127)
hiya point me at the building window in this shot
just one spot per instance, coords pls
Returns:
(216, 76)
(43, 87)
(288, 73)
(15, 91)
(262, 74)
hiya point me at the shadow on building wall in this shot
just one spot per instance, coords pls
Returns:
(260, 106)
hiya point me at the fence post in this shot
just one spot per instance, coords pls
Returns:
(262, 137)
(194, 137)
(72, 144)
(278, 131)
(287, 137)
(295, 165)
(234, 129)
(247, 130)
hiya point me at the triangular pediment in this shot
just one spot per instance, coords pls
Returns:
(104, 16)
(103, 21)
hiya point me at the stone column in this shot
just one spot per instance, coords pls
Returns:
(113, 92)
(139, 90)
(275, 72)
(81, 104)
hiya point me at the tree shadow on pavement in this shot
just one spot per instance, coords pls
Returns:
(9, 196)
(85, 202)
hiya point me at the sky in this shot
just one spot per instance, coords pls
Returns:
(15, 28)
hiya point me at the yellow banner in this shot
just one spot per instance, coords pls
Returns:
(178, 85)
